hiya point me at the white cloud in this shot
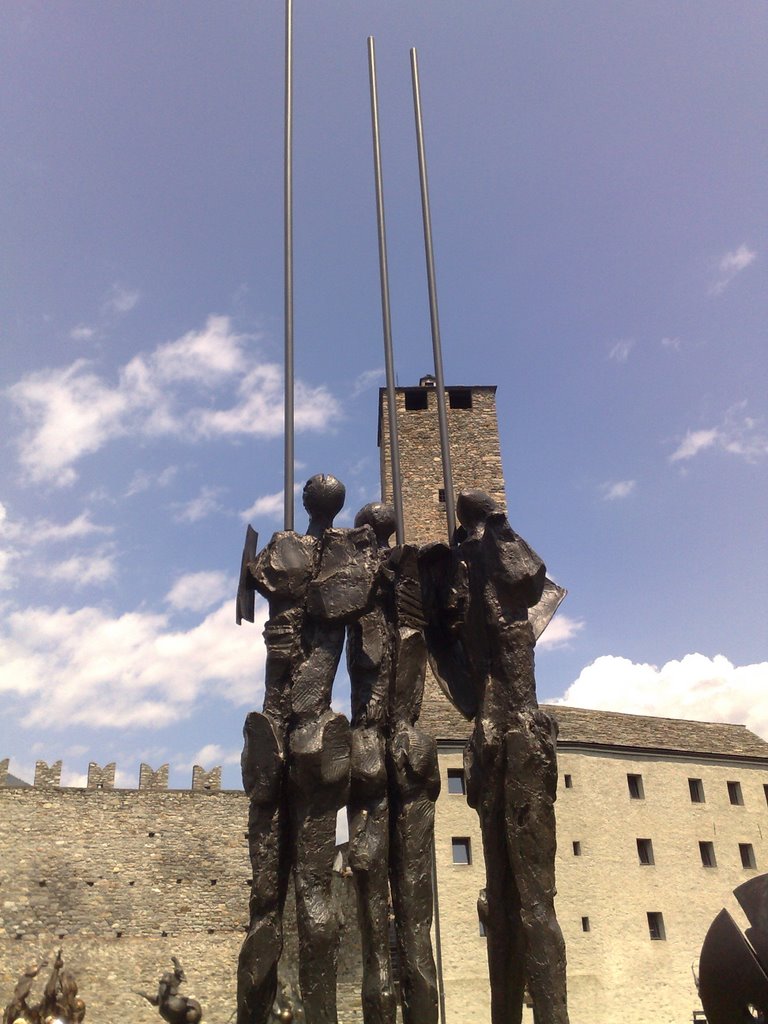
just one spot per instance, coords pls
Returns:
(367, 380)
(206, 384)
(65, 668)
(738, 434)
(732, 264)
(212, 755)
(269, 506)
(205, 504)
(695, 687)
(673, 343)
(620, 351)
(82, 332)
(82, 570)
(614, 491)
(198, 591)
(560, 631)
(143, 481)
(120, 300)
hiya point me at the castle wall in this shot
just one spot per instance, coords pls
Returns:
(122, 880)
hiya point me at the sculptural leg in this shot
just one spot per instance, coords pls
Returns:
(319, 787)
(531, 786)
(263, 778)
(415, 786)
(368, 815)
(504, 931)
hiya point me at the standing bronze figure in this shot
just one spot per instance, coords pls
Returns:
(510, 760)
(296, 756)
(171, 1006)
(395, 782)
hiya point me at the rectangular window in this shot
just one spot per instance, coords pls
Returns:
(696, 789)
(568, 783)
(707, 851)
(645, 851)
(462, 853)
(441, 495)
(735, 795)
(459, 398)
(656, 925)
(415, 400)
(585, 924)
(747, 855)
(635, 784)
(576, 848)
(456, 781)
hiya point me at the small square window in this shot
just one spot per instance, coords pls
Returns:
(461, 850)
(415, 400)
(456, 781)
(568, 783)
(576, 848)
(656, 925)
(735, 795)
(645, 852)
(585, 924)
(459, 398)
(696, 789)
(707, 851)
(747, 854)
(635, 784)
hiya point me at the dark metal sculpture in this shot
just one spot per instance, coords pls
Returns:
(733, 967)
(288, 1008)
(484, 652)
(172, 1007)
(60, 1000)
(296, 756)
(395, 783)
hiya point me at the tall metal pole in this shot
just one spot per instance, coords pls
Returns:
(445, 450)
(394, 444)
(288, 250)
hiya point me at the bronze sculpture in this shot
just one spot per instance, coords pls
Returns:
(172, 1007)
(297, 750)
(395, 783)
(60, 1001)
(510, 760)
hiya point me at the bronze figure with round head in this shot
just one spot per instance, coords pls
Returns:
(381, 518)
(323, 499)
(473, 508)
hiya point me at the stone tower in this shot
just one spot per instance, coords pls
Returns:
(475, 452)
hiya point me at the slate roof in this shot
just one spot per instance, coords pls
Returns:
(606, 730)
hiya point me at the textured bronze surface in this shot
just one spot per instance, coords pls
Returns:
(296, 755)
(59, 1001)
(171, 1006)
(733, 969)
(510, 759)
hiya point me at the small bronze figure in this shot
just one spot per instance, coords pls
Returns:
(172, 1007)
(60, 1001)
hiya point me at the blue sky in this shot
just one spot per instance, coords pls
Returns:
(597, 176)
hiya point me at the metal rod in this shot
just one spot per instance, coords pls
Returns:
(394, 443)
(445, 450)
(288, 225)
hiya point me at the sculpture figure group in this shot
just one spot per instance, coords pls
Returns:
(465, 608)
(60, 1001)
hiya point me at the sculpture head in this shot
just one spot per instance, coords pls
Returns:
(473, 508)
(381, 518)
(323, 499)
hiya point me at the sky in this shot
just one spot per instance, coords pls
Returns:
(597, 181)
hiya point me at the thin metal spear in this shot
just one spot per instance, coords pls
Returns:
(394, 444)
(445, 450)
(288, 251)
